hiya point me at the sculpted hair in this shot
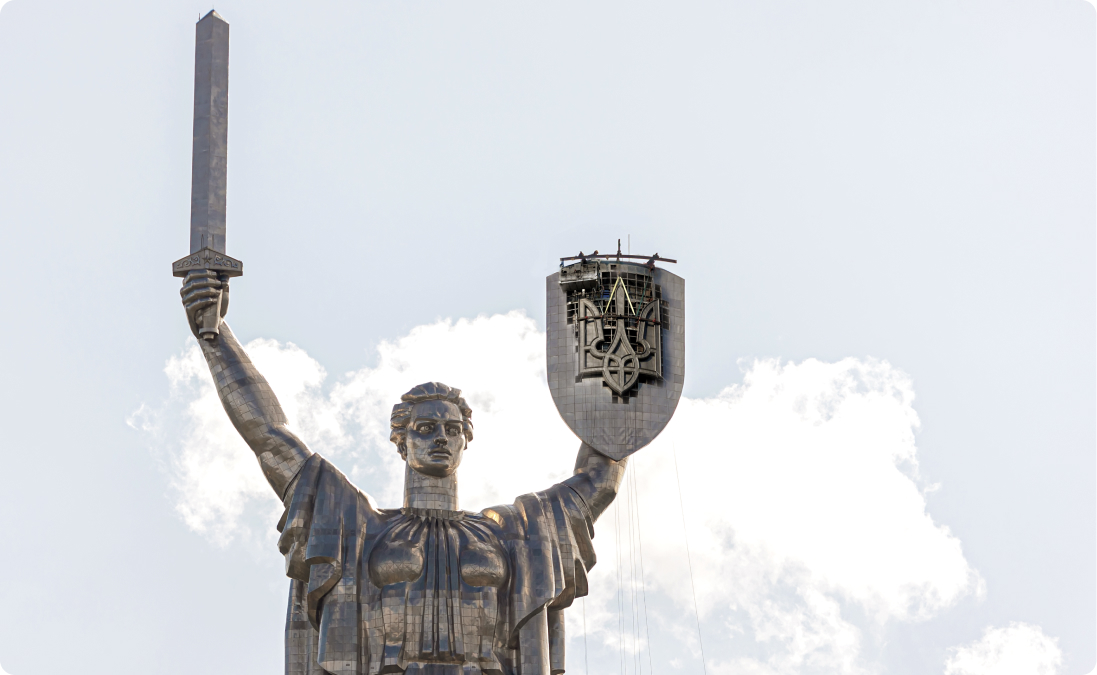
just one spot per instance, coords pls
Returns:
(428, 391)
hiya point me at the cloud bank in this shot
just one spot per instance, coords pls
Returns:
(800, 496)
(1017, 649)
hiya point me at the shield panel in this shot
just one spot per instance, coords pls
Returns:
(584, 383)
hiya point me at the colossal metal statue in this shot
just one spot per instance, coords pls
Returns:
(427, 588)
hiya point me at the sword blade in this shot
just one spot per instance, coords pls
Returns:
(209, 161)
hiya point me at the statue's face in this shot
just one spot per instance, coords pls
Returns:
(435, 439)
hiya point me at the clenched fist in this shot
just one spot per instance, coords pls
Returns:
(204, 291)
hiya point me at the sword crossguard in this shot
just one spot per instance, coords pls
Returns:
(207, 259)
(209, 324)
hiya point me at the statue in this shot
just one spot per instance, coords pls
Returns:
(429, 589)
(426, 588)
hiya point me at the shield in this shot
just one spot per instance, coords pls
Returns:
(616, 351)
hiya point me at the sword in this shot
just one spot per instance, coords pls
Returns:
(209, 164)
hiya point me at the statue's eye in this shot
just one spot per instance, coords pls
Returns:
(452, 430)
(425, 428)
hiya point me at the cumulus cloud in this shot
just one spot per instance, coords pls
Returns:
(800, 493)
(814, 465)
(1017, 649)
(498, 362)
(214, 477)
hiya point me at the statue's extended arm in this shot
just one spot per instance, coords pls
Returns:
(596, 478)
(247, 397)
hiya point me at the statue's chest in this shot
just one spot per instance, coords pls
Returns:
(444, 547)
(435, 591)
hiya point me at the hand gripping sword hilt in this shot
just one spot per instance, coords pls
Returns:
(209, 324)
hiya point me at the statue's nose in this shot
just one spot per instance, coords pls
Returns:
(441, 440)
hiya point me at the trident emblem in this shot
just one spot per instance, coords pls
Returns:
(620, 366)
(605, 314)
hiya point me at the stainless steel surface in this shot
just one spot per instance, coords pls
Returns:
(209, 157)
(430, 589)
(616, 350)
(209, 166)
(426, 589)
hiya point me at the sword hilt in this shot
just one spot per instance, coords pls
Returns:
(209, 323)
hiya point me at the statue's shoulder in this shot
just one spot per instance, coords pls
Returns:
(515, 518)
(504, 517)
(320, 484)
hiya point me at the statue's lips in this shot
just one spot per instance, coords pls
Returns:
(440, 454)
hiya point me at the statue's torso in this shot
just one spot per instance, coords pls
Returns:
(436, 582)
(427, 592)
(401, 552)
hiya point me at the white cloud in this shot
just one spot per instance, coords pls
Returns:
(2, 671)
(520, 444)
(1017, 649)
(213, 474)
(810, 465)
(800, 486)
(800, 493)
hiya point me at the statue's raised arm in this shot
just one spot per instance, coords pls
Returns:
(247, 397)
(596, 479)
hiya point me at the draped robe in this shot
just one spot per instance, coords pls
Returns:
(340, 621)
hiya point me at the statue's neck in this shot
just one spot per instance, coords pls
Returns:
(428, 492)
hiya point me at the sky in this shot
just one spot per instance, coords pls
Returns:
(883, 461)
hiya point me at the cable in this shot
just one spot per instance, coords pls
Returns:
(620, 590)
(586, 658)
(689, 559)
(643, 580)
(629, 505)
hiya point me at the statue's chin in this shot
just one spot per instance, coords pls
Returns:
(433, 470)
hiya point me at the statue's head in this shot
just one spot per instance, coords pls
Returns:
(431, 426)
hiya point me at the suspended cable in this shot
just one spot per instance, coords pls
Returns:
(643, 580)
(620, 588)
(632, 564)
(586, 656)
(689, 559)
(629, 505)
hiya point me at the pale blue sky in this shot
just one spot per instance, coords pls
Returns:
(912, 181)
